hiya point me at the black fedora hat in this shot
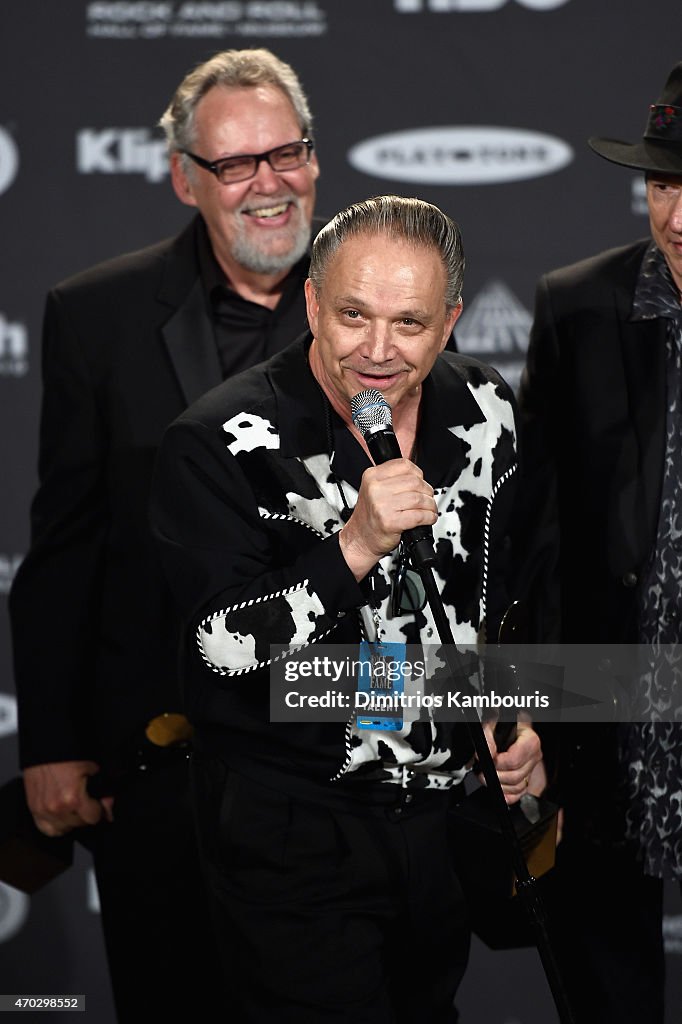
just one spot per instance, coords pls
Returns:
(661, 146)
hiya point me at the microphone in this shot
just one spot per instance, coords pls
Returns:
(371, 415)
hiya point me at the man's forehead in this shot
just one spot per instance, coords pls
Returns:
(376, 266)
(245, 119)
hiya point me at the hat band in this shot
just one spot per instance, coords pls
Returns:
(665, 123)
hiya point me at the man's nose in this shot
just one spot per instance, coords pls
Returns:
(265, 179)
(380, 343)
(676, 214)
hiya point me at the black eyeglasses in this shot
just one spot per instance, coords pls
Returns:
(231, 169)
(407, 590)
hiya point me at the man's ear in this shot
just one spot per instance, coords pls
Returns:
(450, 321)
(182, 186)
(312, 305)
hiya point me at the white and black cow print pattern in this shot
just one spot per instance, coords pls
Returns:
(471, 494)
(238, 639)
(229, 644)
(303, 494)
(245, 432)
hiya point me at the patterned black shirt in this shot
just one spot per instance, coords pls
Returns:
(652, 749)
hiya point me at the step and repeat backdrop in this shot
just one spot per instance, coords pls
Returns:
(480, 106)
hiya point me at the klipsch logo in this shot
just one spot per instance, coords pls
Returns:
(121, 151)
(473, 155)
(446, 6)
(495, 329)
(9, 160)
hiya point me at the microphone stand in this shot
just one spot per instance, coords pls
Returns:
(526, 884)
(371, 415)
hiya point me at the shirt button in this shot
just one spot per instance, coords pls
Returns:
(408, 798)
(629, 579)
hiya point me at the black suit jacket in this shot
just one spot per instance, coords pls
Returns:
(127, 345)
(593, 412)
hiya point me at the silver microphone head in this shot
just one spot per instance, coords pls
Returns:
(370, 411)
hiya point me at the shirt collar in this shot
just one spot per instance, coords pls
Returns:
(655, 292)
(447, 402)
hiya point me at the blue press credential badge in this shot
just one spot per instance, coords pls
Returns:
(381, 683)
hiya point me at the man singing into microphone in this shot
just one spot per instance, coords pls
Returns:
(325, 845)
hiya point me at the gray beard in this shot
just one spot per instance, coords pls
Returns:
(247, 255)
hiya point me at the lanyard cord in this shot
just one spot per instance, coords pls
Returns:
(347, 511)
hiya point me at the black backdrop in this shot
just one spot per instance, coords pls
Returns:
(508, 89)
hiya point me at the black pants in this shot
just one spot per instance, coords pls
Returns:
(606, 918)
(348, 914)
(161, 949)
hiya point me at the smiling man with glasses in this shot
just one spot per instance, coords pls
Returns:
(128, 345)
(243, 156)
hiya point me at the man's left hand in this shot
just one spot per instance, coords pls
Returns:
(520, 768)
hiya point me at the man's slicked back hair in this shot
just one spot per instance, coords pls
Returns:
(411, 220)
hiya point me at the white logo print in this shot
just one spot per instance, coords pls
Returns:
(204, 19)
(9, 160)
(121, 151)
(473, 155)
(495, 328)
(672, 933)
(8, 714)
(638, 203)
(446, 6)
(13, 348)
(92, 892)
(13, 911)
(8, 567)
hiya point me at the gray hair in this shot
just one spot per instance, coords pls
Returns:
(411, 220)
(232, 69)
